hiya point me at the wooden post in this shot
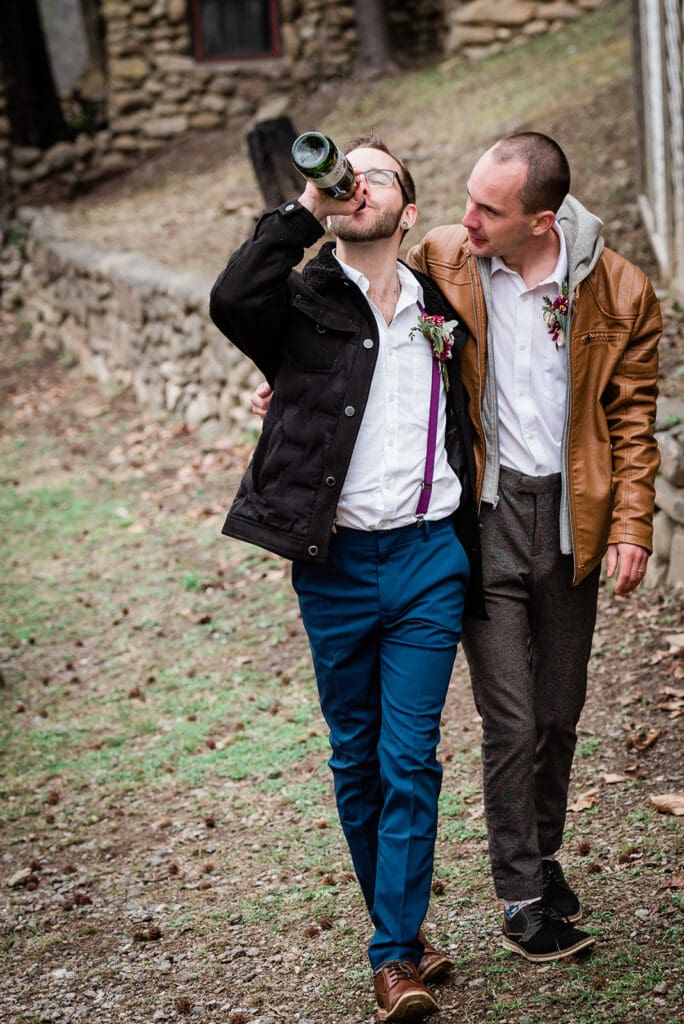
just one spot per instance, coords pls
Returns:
(269, 144)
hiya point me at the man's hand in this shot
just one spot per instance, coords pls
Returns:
(323, 206)
(631, 562)
(261, 399)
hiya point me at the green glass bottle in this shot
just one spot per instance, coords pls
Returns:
(316, 156)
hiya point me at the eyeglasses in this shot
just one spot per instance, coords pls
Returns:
(380, 177)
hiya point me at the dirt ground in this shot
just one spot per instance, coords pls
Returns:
(131, 898)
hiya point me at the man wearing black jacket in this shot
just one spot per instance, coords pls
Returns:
(363, 477)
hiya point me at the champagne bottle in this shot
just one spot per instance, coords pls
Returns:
(316, 156)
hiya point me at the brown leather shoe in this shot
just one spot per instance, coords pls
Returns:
(433, 962)
(400, 993)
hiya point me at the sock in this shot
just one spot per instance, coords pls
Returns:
(511, 907)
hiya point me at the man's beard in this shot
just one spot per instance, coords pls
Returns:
(384, 226)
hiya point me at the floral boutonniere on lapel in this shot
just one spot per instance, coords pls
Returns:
(437, 330)
(556, 315)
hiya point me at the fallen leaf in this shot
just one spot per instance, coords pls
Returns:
(669, 803)
(610, 780)
(676, 642)
(197, 618)
(90, 409)
(675, 882)
(584, 802)
(669, 691)
(20, 878)
(631, 698)
(641, 740)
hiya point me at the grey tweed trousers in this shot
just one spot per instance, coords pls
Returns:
(528, 668)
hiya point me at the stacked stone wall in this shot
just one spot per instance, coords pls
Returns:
(481, 28)
(127, 320)
(667, 564)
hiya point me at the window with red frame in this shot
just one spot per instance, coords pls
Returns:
(234, 29)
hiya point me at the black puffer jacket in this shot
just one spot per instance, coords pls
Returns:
(315, 340)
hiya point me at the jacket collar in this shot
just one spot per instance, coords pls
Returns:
(320, 272)
(323, 270)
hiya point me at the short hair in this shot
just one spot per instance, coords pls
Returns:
(375, 141)
(548, 172)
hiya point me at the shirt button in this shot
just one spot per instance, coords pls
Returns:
(349, 411)
(368, 343)
(289, 207)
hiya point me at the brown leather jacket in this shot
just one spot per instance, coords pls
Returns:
(610, 456)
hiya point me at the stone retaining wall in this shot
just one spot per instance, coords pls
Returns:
(130, 320)
(667, 563)
(481, 28)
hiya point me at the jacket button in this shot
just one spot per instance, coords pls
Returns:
(289, 207)
(349, 411)
(368, 343)
(330, 481)
(313, 550)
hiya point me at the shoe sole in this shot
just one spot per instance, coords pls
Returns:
(412, 1006)
(541, 958)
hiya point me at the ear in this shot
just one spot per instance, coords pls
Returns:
(409, 216)
(543, 222)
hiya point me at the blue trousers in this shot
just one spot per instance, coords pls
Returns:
(383, 617)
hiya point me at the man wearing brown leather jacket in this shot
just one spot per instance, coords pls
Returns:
(561, 368)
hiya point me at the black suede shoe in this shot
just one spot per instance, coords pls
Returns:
(538, 934)
(557, 894)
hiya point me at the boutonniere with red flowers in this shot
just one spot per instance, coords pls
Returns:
(437, 330)
(556, 315)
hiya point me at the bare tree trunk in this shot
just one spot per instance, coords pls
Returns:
(376, 54)
(34, 111)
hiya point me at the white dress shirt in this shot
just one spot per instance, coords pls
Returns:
(531, 373)
(382, 486)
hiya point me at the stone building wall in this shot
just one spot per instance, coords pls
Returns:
(130, 320)
(157, 91)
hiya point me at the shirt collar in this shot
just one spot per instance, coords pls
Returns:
(411, 288)
(557, 275)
